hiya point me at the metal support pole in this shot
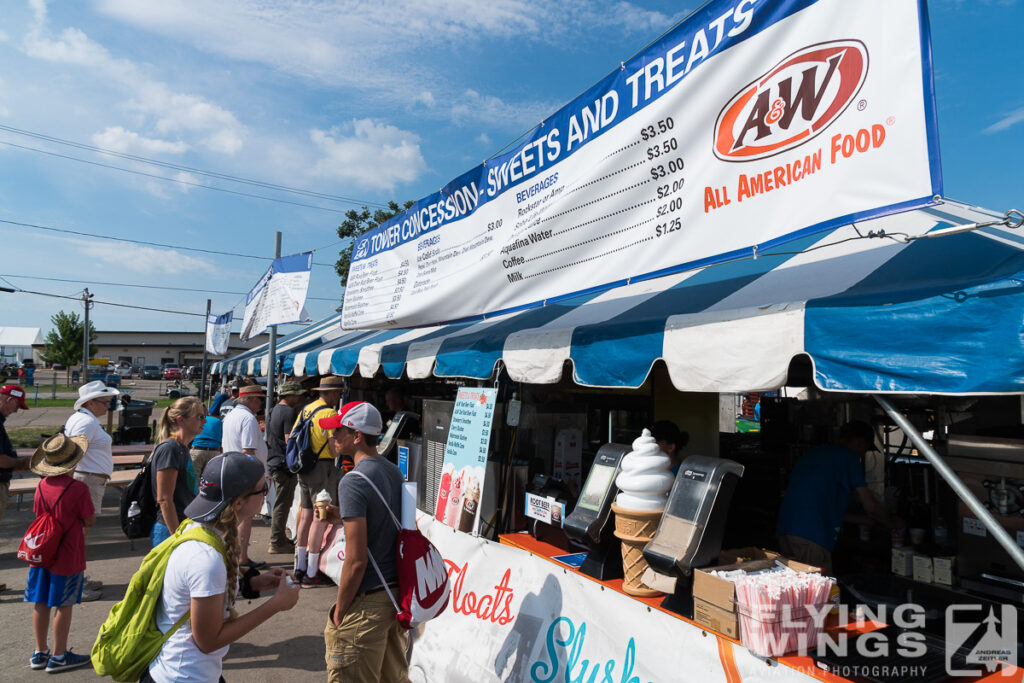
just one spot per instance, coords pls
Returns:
(272, 350)
(961, 490)
(202, 374)
(85, 337)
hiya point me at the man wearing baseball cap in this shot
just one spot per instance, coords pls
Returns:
(12, 399)
(363, 618)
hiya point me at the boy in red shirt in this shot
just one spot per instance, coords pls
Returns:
(59, 585)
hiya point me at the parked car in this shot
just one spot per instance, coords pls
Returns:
(172, 371)
(124, 370)
(151, 372)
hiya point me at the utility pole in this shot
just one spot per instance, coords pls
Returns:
(202, 375)
(272, 350)
(86, 296)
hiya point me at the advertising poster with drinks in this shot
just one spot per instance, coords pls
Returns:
(465, 459)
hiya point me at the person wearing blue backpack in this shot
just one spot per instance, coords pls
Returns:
(324, 477)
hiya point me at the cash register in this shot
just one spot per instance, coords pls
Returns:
(691, 530)
(590, 521)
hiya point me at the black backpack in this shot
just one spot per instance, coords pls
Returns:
(138, 504)
(299, 455)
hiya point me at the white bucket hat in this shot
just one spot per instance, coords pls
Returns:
(94, 389)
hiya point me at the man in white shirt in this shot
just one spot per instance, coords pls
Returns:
(242, 434)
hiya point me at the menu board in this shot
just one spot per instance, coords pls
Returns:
(465, 459)
(280, 295)
(748, 126)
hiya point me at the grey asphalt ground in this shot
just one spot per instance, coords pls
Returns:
(289, 647)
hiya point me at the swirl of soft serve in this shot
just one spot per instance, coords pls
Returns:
(646, 476)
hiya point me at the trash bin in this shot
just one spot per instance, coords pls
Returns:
(134, 422)
(30, 376)
(112, 379)
(74, 376)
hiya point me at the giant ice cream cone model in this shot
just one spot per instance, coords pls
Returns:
(644, 483)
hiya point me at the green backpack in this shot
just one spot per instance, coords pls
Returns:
(129, 640)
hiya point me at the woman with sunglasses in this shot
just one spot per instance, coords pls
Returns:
(175, 481)
(202, 580)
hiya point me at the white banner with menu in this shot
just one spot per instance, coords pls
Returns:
(280, 295)
(749, 125)
(527, 620)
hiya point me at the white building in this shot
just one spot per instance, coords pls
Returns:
(20, 343)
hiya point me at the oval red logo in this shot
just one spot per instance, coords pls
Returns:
(793, 102)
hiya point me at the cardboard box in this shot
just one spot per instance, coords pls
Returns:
(722, 593)
(715, 618)
(943, 570)
(923, 569)
(746, 554)
(903, 562)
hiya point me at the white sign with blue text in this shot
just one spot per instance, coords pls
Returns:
(749, 125)
(280, 295)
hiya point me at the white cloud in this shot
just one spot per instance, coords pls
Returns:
(372, 155)
(118, 139)
(483, 139)
(143, 259)
(1011, 119)
(426, 97)
(165, 110)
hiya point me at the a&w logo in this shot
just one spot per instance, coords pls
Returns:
(793, 102)
(363, 248)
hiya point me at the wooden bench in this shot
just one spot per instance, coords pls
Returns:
(20, 487)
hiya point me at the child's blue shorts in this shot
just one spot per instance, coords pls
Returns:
(54, 590)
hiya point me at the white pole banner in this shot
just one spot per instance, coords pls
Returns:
(218, 333)
(280, 295)
(529, 619)
(750, 124)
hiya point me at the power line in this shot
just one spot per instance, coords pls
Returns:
(171, 180)
(126, 284)
(108, 303)
(191, 169)
(145, 243)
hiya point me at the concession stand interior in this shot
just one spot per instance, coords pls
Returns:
(919, 336)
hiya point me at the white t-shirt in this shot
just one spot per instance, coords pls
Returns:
(98, 457)
(242, 431)
(195, 570)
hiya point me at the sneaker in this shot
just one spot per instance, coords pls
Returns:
(281, 549)
(69, 660)
(92, 584)
(314, 581)
(39, 659)
(89, 596)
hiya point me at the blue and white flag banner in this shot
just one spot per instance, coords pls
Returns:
(218, 333)
(751, 124)
(280, 295)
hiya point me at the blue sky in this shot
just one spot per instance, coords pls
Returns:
(368, 101)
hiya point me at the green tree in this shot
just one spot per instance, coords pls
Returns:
(64, 342)
(355, 224)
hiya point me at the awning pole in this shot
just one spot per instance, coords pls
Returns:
(961, 490)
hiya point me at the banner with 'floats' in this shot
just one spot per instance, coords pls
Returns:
(749, 124)
(280, 295)
(529, 620)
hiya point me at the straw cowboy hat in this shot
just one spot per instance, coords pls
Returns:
(331, 383)
(59, 454)
(251, 390)
(94, 389)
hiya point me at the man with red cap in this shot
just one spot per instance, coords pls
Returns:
(12, 398)
(364, 641)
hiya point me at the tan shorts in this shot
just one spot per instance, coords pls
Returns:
(369, 645)
(97, 485)
(323, 477)
(201, 456)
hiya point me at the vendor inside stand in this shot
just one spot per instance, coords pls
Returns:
(671, 441)
(820, 487)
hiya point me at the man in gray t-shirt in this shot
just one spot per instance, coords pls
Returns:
(363, 638)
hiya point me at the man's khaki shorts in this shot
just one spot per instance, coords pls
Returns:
(323, 477)
(369, 645)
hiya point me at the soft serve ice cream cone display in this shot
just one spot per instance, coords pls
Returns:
(644, 482)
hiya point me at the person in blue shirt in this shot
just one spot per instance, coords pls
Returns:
(820, 487)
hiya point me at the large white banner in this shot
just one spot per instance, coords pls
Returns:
(752, 123)
(280, 295)
(218, 333)
(516, 617)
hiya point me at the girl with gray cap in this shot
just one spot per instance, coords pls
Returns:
(200, 580)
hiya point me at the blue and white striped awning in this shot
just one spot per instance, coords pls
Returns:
(874, 314)
(256, 360)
